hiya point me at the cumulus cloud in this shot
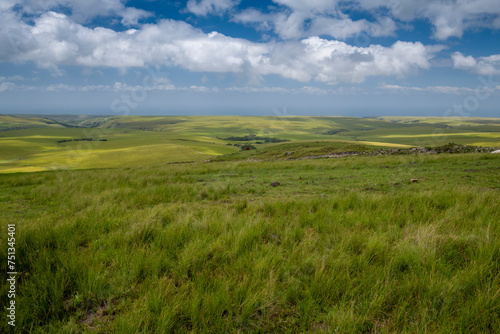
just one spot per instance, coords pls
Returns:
(482, 65)
(305, 20)
(335, 61)
(302, 18)
(450, 18)
(81, 11)
(55, 40)
(210, 7)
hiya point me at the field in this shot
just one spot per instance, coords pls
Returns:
(135, 141)
(128, 242)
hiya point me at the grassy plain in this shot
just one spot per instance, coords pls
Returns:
(342, 245)
(112, 237)
(154, 140)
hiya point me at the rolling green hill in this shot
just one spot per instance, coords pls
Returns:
(37, 144)
(15, 123)
(228, 225)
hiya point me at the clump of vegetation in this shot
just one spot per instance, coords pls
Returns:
(81, 139)
(334, 132)
(264, 140)
(243, 147)
(448, 148)
(457, 148)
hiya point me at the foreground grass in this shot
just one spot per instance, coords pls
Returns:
(342, 245)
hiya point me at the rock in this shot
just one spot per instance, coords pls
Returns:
(275, 184)
(497, 151)
(414, 180)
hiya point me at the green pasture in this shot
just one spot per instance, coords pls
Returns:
(154, 140)
(159, 226)
(339, 246)
(37, 149)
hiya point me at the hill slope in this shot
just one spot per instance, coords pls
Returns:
(133, 141)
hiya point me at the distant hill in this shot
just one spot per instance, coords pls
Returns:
(37, 143)
(17, 123)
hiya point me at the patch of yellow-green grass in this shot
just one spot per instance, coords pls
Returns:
(495, 135)
(23, 169)
(380, 144)
(123, 147)
(427, 135)
(293, 128)
(22, 143)
(450, 121)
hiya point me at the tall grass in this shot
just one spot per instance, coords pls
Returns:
(345, 245)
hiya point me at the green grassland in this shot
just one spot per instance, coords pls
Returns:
(30, 143)
(340, 246)
(159, 225)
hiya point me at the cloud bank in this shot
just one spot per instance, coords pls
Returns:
(55, 39)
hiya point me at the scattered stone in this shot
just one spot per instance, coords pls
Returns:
(275, 184)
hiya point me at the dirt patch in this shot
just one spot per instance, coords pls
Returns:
(97, 319)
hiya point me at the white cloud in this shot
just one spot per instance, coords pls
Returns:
(438, 89)
(280, 90)
(305, 21)
(259, 90)
(313, 90)
(131, 16)
(304, 18)
(309, 90)
(253, 16)
(308, 5)
(450, 18)
(82, 11)
(15, 78)
(4, 86)
(56, 40)
(162, 85)
(482, 65)
(334, 61)
(117, 87)
(214, 7)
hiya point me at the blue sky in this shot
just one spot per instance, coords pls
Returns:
(293, 57)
